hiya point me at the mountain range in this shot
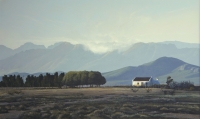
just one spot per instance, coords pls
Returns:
(6, 52)
(160, 68)
(64, 56)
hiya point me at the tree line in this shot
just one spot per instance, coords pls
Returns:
(47, 80)
(12, 81)
(71, 79)
(80, 78)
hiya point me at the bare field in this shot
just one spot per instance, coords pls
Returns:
(97, 103)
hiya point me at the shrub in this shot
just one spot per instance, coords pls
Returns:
(172, 92)
(107, 110)
(12, 92)
(163, 109)
(45, 115)
(116, 115)
(126, 110)
(63, 116)
(30, 115)
(98, 112)
(165, 92)
(91, 108)
(21, 107)
(3, 110)
(191, 88)
(148, 90)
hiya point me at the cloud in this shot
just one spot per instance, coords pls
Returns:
(123, 31)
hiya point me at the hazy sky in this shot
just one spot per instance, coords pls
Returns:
(99, 24)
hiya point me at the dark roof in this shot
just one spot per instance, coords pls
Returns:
(142, 78)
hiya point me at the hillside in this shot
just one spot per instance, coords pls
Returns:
(160, 68)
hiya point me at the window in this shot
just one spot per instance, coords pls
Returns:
(138, 83)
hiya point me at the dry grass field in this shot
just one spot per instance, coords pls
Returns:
(98, 103)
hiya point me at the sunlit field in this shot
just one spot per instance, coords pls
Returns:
(98, 103)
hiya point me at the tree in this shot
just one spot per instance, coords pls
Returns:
(32, 81)
(91, 78)
(28, 81)
(103, 81)
(49, 80)
(69, 78)
(40, 79)
(99, 79)
(2, 84)
(77, 78)
(60, 78)
(84, 78)
(19, 81)
(12, 81)
(169, 80)
(5, 80)
(56, 79)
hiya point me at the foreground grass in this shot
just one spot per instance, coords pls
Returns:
(98, 103)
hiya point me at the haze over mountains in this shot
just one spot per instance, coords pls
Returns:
(65, 57)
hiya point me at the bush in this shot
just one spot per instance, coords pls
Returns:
(63, 116)
(30, 115)
(116, 115)
(191, 88)
(163, 109)
(3, 110)
(126, 110)
(21, 107)
(165, 92)
(181, 85)
(148, 90)
(98, 112)
(12, 92)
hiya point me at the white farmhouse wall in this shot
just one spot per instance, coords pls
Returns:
(139, 83)
(144, 83)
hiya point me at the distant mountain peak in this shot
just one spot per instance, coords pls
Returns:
(3, 47)
(181, 45)
(28, 46)
(168, 58)
(166, 61)
(54, 45)
(65, 44)
(28, 43)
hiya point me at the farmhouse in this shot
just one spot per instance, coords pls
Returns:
(144, 81)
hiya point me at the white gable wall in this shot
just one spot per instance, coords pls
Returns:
(143, 83)
(139, 83)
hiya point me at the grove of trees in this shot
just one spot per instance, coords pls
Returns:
(47, 80)
(71, 79)
(80, 78)
(12, 81)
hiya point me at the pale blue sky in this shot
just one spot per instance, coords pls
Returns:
(101, 25)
